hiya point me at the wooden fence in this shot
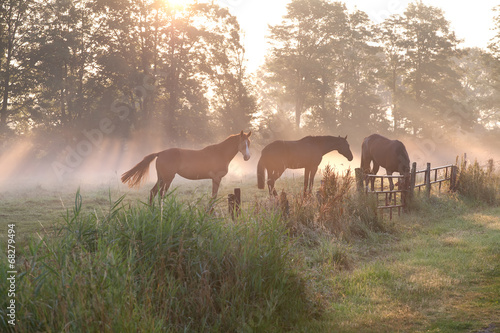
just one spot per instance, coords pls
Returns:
(405, 185)
(398, 198)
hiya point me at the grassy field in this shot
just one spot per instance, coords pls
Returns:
(97, 261)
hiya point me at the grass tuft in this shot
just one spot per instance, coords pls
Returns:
(164, 267)
(479, 184)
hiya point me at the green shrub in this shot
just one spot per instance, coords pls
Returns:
(477, 183)
(335, 209)
(158, 268)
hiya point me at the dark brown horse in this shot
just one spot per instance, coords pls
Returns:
(304, 153)
(385, 153)
(210, 162)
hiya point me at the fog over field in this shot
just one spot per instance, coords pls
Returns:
(89, 97)
(96, 159)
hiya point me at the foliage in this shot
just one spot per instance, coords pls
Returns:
(167, 267)
(336, 210)
(173, 267)
(421, 76)
(140, 63)
(478, 183)
(322, 62)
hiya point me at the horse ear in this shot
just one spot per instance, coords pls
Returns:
(249, 133)
(345, 137)
(241, 133)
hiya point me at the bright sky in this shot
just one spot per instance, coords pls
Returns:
(472, 21)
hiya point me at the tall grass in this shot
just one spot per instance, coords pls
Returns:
(337, 209)
(167, 267)
(477, 183)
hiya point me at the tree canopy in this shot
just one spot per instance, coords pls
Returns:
(180, 72)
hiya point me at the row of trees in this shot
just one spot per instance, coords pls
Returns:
(68, 63)
(179, 71)
(332, 68)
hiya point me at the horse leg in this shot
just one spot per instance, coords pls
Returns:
(154, 190)
(215, 189)
(374, 172)
(311, 178)
(215, 186)
(166, 185)
(307, 172)
(272, 176)
(365, 165)
(391, 185)
(270, 184)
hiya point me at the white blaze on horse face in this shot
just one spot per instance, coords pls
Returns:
(246, 156)
(244, 151)
(248, 149)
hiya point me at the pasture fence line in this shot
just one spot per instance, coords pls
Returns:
(406, 185)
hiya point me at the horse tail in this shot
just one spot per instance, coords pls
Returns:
(365, 157)
(261, 176)
(134, 176)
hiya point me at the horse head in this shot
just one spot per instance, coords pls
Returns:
(344, 149)
(244, 145)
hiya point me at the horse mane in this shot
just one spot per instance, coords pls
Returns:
(223, 143)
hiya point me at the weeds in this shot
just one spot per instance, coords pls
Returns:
(337, 210)
(151, 268)
(477, 183)
(173, 267)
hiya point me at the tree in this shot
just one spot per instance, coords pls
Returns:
(490, 116)
(324, 62)
(359, 62)
(12, 14)
(421, 48)
(294, 62)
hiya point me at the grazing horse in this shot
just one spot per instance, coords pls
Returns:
(386, 153)
(304, 153)
(210, 162)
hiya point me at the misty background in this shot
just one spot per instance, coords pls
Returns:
(89, 87)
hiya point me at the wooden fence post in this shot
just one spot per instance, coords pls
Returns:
(453, 178)
(359, 179)
(428, 180)
(237, 200)
(413, 177)
(234, 202)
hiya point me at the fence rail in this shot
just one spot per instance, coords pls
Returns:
(406, 185)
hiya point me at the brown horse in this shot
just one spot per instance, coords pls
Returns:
(210, 162)
(385, 153)
(304, 153)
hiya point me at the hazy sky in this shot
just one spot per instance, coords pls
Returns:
(472, 21)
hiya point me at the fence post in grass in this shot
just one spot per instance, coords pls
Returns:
(359, 179)
(413, 177)
(453, 178)
(234, 203)
(428, 180)
(406, 194)
(237, 200)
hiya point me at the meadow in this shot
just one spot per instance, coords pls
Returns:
(98, 258)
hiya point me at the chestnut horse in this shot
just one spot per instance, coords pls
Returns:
(385, 153)
(305, 153)
(210, 162)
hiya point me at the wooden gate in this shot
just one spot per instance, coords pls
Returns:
(406, 185)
